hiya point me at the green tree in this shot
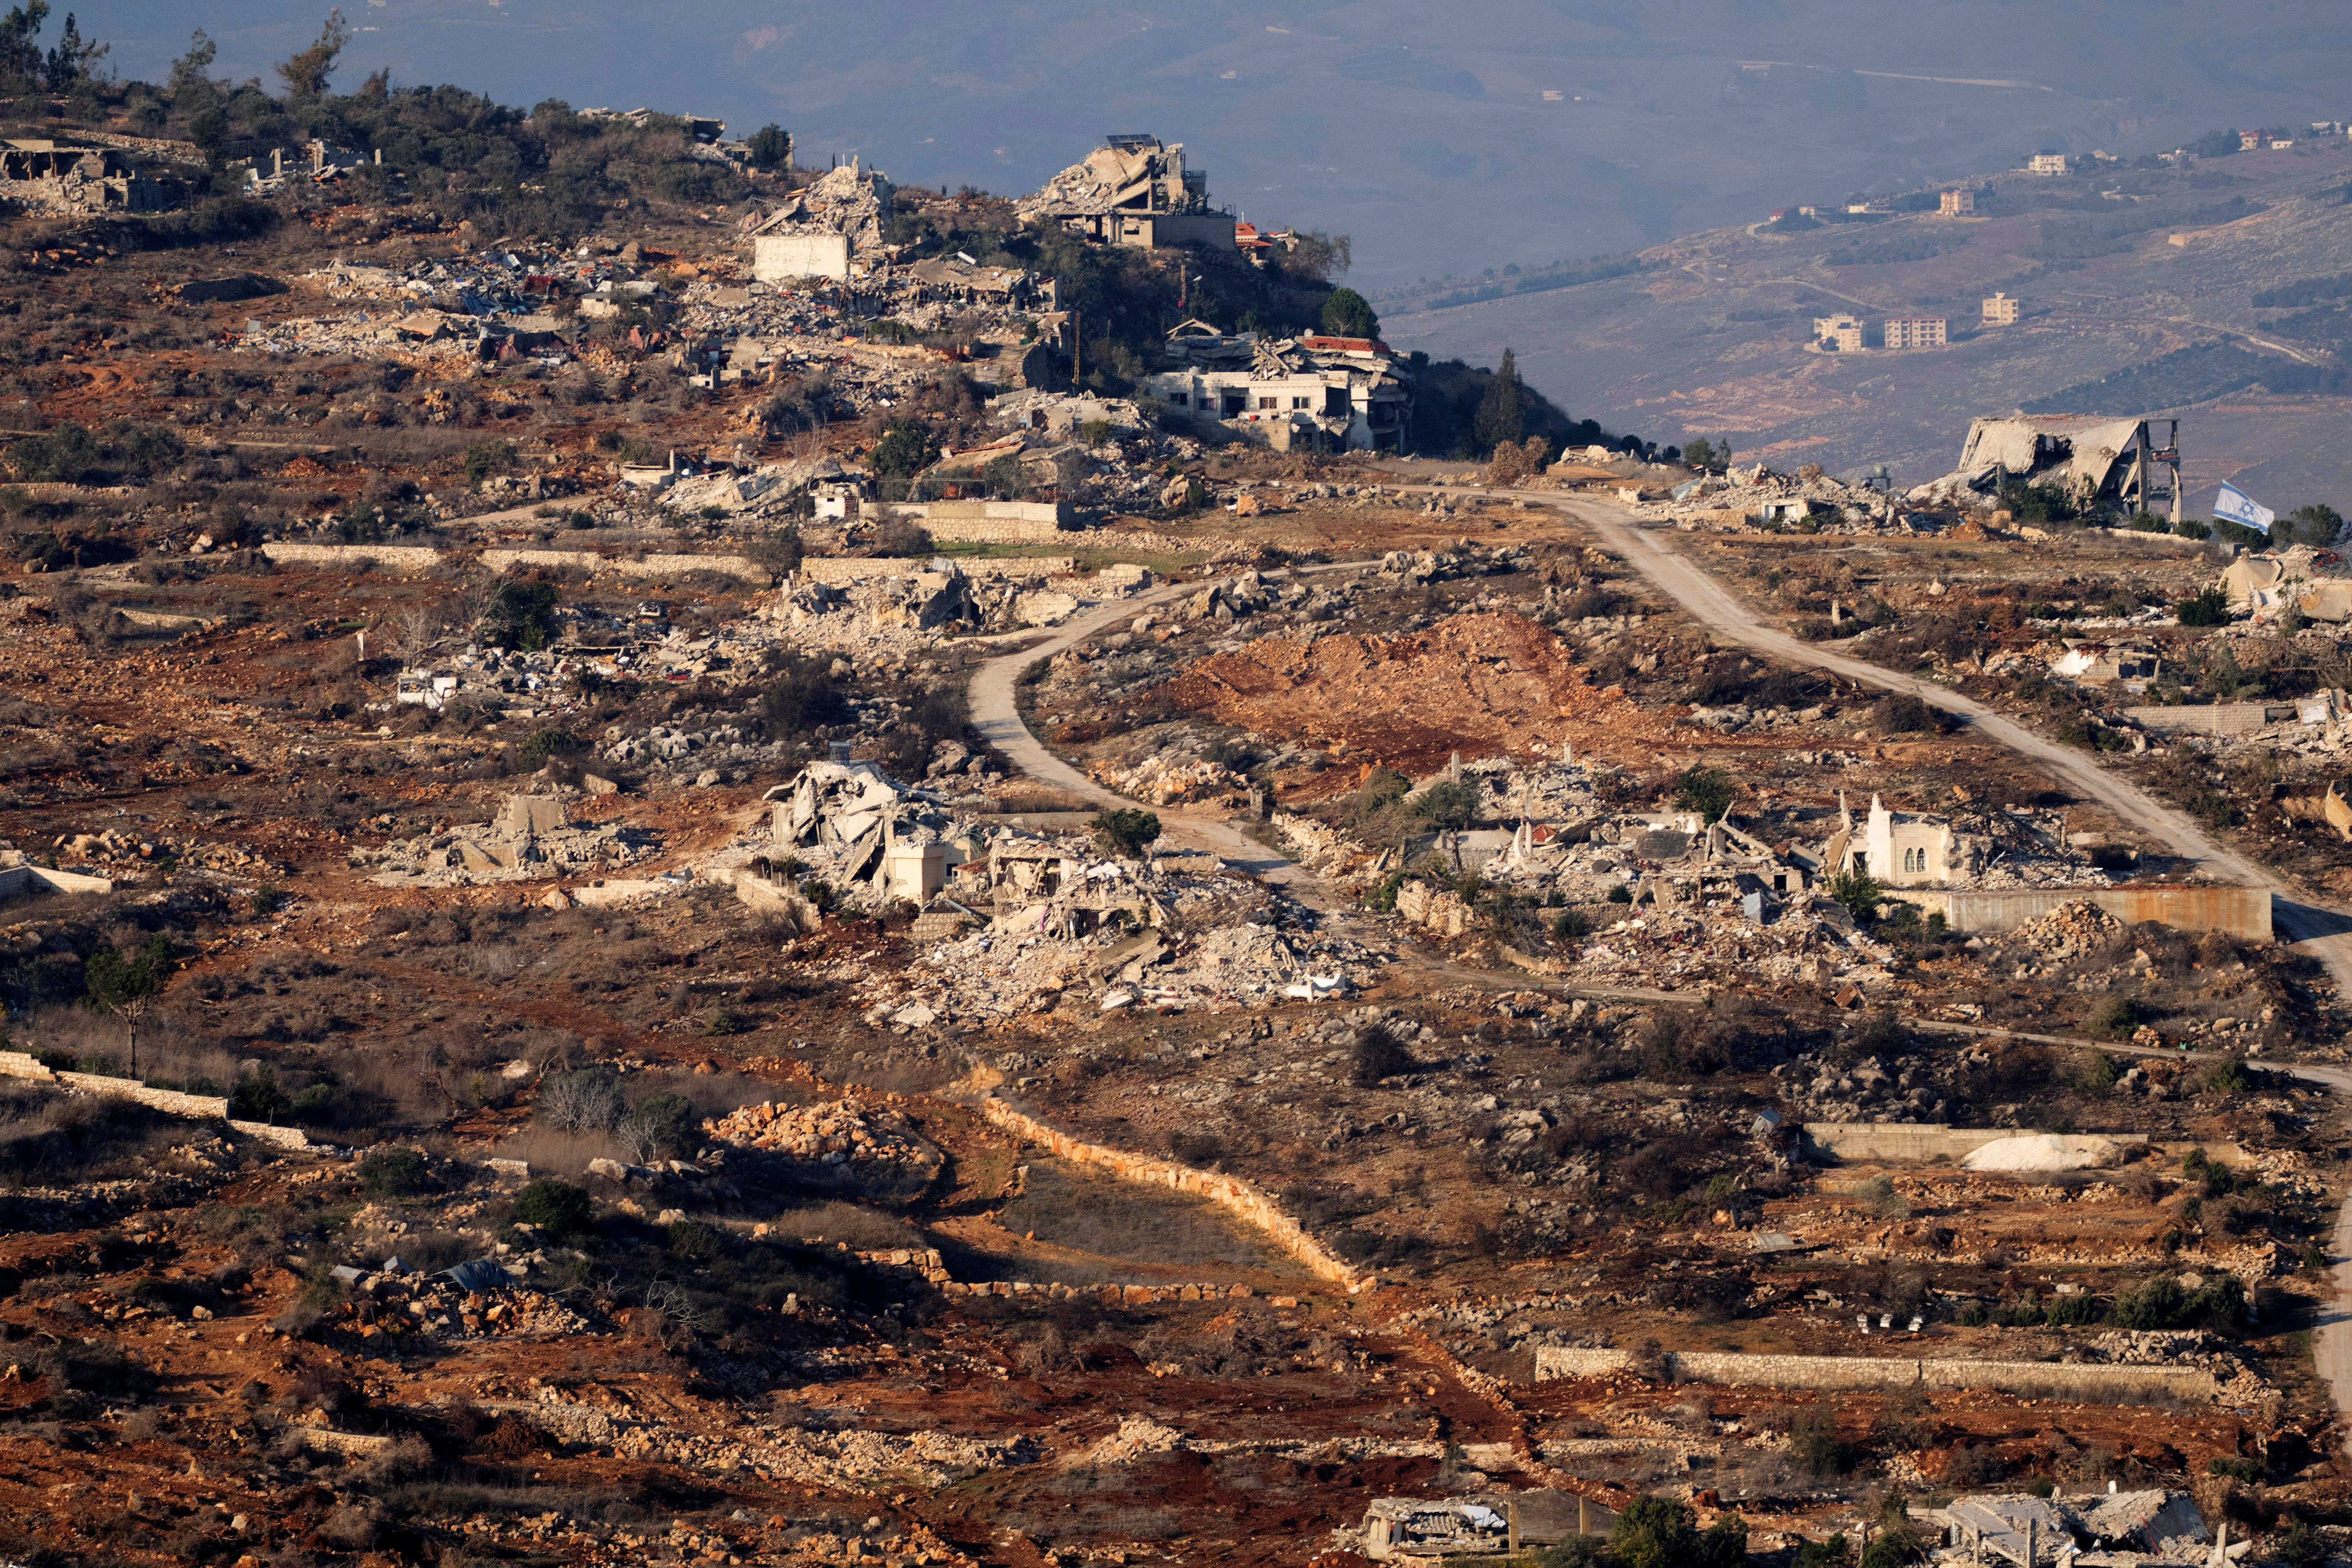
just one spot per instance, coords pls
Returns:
(1708, 791)
(2210, 608)
(191, 72)
(1502, 415)
(1451, 803)
(1660, 1532)
(391, 1171)
(1859, 892)
(306, 74)
(519, 616)
(906, 448)
(771, 147)
(1348, 314)
(20, 57)
(126, 988)
(1125, 831)
(557, 1208)
(2317, 523)
(70, 61)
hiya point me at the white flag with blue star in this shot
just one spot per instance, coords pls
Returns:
(2234, 505)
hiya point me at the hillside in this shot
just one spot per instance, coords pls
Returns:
(2143, 278)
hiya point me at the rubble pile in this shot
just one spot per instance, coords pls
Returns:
(533, 836)
(831, 1133)
(1164, 778)
(862, 835)
(1809, 500)
(482, 1300)
(2070, 931)
(1020, 967)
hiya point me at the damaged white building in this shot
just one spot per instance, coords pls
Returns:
(1311, 393)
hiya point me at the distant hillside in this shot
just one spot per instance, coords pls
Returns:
(2217, 287)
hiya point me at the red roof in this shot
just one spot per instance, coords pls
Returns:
(1318, 343)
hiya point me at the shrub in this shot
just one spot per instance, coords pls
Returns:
(556, 1207)
(2228, 1076)
(1901, 713)
(1660, 1532)
(393, 1172)
(257, 1097)
(1125, 832)
(1378, 1055)
(662, 1122)
(586, 1101)
(2113, 1019)
(2210, 608)
(1879, 1199)
(1813, 1439)
(1451, 803)
(551, 742)
(1708, 791)
(2248, 1470)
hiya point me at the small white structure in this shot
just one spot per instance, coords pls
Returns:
(780, 258)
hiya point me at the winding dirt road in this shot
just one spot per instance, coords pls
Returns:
(2324, 933)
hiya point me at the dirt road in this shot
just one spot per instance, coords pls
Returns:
(995, 715)
(2324, 933)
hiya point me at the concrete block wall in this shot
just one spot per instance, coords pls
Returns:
(2221, 719)
(2242, 912)
(16, 879)
(1237, 1197)
(2035, 1380)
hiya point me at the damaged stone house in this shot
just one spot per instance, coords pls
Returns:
(51, 177)
(1312, 393)
(2309, 579)
(1904, 848)
(2096, 461)
(1133, 190)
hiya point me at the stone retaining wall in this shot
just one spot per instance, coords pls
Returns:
(659, 565)
(2102, 1384)
(409, 558)
(171, 1102)
(1237, 1197)
(415, 558)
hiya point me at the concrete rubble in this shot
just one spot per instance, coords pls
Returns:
(532, 837)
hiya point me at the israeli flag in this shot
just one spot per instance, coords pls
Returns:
(2234, 505)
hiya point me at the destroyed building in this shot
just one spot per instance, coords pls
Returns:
(55, 178)
(2096, 460)
(1311, 392)
(1904, 848)
(819, 232)
(2312, 581)
(1133, 191)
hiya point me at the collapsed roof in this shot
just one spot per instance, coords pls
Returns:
(2086, 453)
(848, 200)
(1126, 175)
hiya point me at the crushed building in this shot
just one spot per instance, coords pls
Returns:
(1133, 190)
(1309, 392)
(826, 229)
(2096, 460)
(64, 180)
